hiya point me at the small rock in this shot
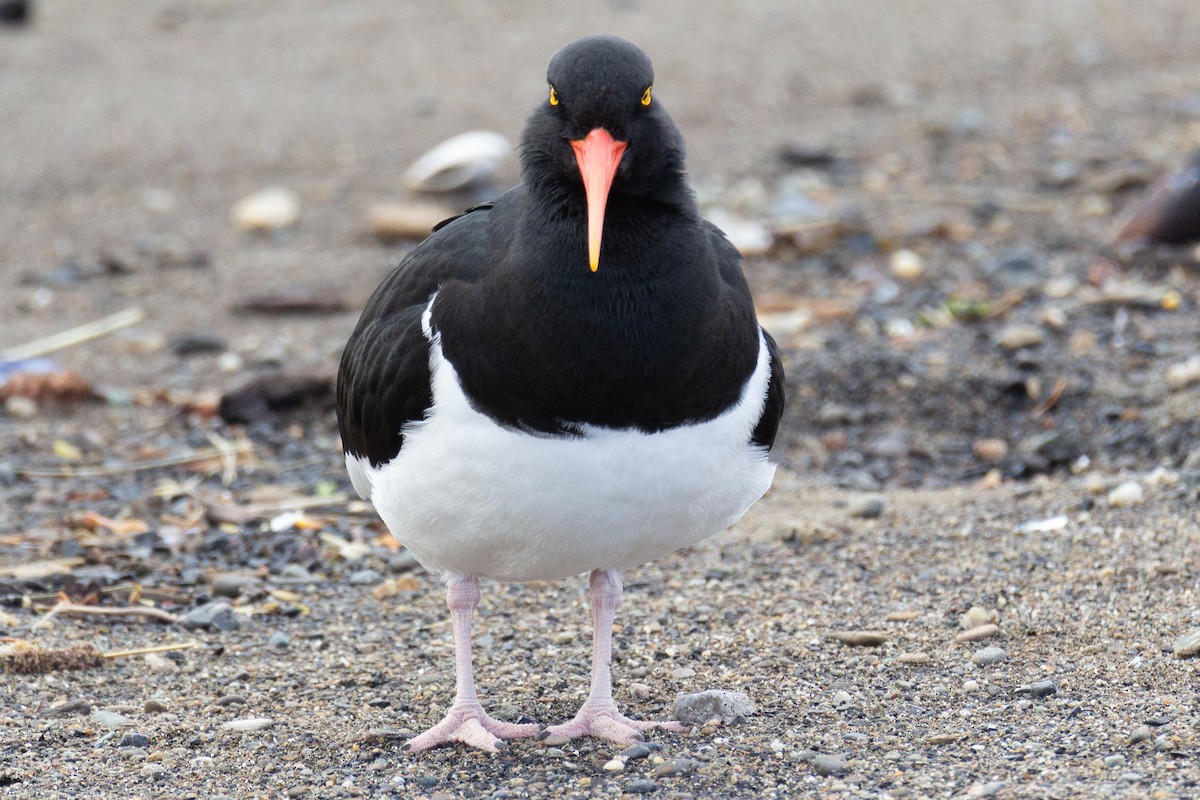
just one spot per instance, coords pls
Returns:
(217, 615)
(557, 740)
(641, 786)
(842, 698)
(134, 739)
(1018, 269)
(866, 506)
(110, 719)
(699, 707)
(155, 707)
(1184, 373)
(639, 691)
(1187, 646)
(1115, 761)
(970, 685)
(563, 637)
(830, 765)
(988, 656)
(675, 766)
(1039, 689)
(365, 577)
(990, 449)
(1127, 494)
(683, 673)
(267, 210)
(978, 615)
(750, 237)
(615, 765)
(1139, 734)
(232, 584)
(906, 265)
(944, 738)
(913, 658)
(860, 638)
(193, 344)
(634, 752)
(68, 708)
(468, 159)
(249, 724)
(978, 633)
(1014, 337)
(279, 640)
(393, 221)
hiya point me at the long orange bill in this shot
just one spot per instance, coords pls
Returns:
(598, 155)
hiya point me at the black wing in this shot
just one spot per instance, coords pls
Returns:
(768, 424)
(383, 379)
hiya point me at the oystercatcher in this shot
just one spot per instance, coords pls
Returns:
(568, 379)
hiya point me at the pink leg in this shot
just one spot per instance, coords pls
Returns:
(466, 721)
(599, 715)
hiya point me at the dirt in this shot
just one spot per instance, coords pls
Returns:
(973, 369)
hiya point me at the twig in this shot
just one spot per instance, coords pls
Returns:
(221, 510)
(1056, 393)
(131, 611)
(141, 651)
(139, 466)
(91, 330)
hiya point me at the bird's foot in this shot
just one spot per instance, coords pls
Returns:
(467, 722)
(604, 721)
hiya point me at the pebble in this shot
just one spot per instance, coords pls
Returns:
(988, 656)
(68, 708)
(750, 237)
(683, 673)
(970, 686)
(634, 752)
(110, 719)
(990, 449)
(365, 577)
(1039, 689)
(20, 406)
(134, 739)
(217, 615)
(1019, 268)
(830, 765)
(1184, 373)
(231, 584)
(639, 691)
(279, 640)
(267, 210)
(860, 638)
(615, 764)
(249, 724)
(698, 708)
(641, 786)
(394, 221)
(1139, 734)
(978, 615)
(906, 265)
(1115, 761)
(155, 707)
(564, 637)
(1127, 494)
(913, 658)
(977, 633)
(866, 506)
(842, 698)
(675, 766)
(1187, 646)
(1014, 337)
(556, 740)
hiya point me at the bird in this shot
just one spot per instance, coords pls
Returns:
(568, 379)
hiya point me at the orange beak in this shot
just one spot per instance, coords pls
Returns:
(598, 156)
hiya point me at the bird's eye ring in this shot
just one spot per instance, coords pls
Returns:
(553, 97)
(646, 97)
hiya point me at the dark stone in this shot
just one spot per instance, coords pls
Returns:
(217, 615)
(134, 739)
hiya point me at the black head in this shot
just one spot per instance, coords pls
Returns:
(600, 133)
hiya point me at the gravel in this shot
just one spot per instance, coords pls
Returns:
(1013, 368)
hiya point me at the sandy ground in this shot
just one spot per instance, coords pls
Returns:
(131, 128)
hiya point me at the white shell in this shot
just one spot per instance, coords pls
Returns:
(267, 209)
(458, 162)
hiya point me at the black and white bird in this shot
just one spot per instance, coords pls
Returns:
(568, 379)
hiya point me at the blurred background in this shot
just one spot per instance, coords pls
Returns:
(887, 168)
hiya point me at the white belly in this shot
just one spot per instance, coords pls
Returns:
(469, 497)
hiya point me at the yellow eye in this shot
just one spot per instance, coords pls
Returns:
(553, 97)
(646, 97)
